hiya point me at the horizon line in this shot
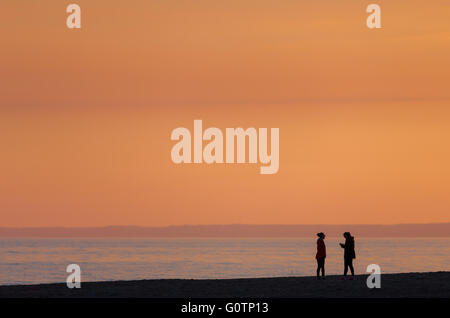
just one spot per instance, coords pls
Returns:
(236, 230)
(223, 224)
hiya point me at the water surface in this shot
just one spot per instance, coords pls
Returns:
(33, 261)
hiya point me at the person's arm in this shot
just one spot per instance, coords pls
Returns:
(342, 245)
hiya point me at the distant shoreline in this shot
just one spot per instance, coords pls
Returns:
(403, 285)
(233, 231)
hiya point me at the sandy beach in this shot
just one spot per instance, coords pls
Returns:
(415, 285)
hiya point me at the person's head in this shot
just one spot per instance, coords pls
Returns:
(347, 234)
(321, 235)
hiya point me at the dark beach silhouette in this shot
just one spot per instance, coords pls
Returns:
(393, 286)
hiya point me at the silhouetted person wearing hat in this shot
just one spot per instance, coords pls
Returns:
(320, 255)
(349, 254)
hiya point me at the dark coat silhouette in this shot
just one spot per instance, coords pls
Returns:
(321, 249)
(349, 253)
(349, 247)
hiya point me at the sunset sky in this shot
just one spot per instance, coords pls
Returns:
(86, 115)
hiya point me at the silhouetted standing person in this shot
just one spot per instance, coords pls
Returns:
(349, 253)
(321, 254)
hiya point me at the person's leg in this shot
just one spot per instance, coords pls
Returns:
(323, 267)
(318, 267)
(345, 266)
(351, 266)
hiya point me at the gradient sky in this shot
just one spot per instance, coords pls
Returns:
(86, 115)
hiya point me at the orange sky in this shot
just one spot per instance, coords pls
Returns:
(86, 115)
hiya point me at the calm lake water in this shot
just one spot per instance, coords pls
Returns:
(33, 261)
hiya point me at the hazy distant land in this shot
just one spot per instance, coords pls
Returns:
(392, 285)
(234, 230)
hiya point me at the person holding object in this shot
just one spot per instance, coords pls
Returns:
(349, 254)
(320, 255)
